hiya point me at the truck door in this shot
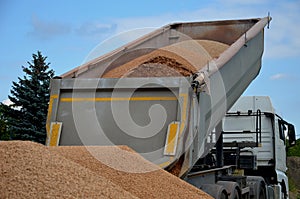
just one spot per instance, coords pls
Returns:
(280, 147)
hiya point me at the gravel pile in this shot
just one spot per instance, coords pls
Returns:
(30, 170)
(154, 184)
(180, 59)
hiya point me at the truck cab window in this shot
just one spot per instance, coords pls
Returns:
(282, 129)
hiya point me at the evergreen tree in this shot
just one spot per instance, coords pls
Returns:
(4, 134)
(27, 116)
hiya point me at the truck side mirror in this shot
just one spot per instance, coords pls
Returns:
(291, 135)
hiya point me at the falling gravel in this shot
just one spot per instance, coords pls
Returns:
(180, 59)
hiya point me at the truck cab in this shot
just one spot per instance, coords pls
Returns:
(255, 138)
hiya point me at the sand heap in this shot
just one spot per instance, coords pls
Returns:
(30, 170)
(180, 59)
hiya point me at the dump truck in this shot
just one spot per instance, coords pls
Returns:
(254, 139)
(163, 95)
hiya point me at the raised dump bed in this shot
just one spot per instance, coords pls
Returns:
(161, 94)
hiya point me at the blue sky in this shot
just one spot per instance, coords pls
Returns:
(66, 31)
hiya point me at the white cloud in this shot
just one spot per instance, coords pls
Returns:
(46, 30)
(230, 10)
(7, 102)
(282, 40)
(96, 29)
(283, 37)
(126, 24)
(279, 76)
(245, 2)
(115, 42)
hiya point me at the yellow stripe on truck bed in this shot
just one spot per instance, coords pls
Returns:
(172, 137)
(104, 99)
(55, 131)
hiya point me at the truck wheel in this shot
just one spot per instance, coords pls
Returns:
(236, 194)
(232, 188)
(257, 187)
(224, 195)
(216, 191)
(262, 192)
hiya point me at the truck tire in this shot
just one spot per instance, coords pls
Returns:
(236, 194)
(257, 187)
(224, 195)
(216, 191)
(232, 188)
(262, 192)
